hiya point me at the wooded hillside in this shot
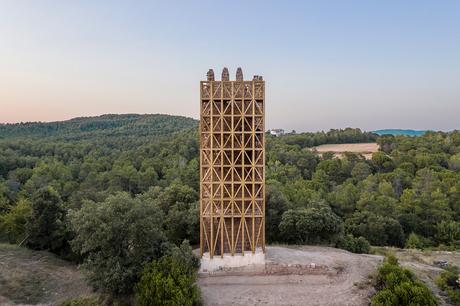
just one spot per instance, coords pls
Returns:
(88, 188)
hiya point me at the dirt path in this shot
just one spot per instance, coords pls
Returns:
(34, 277)
(339, 278)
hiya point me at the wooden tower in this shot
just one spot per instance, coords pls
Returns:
(232, 165)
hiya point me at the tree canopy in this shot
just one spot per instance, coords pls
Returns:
(123, 189)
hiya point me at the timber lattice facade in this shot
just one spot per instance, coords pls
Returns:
(232, 165)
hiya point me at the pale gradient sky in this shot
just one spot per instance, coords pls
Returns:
(327, 64)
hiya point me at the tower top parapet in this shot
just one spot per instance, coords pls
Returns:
(226, 75)
(210, 75)
(239, 74)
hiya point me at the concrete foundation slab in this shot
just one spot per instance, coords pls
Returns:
(218, 263)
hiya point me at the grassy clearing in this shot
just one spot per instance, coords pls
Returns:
(32, 277)
(426, 256)
(23, 288)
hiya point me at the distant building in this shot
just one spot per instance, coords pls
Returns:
(277, 132)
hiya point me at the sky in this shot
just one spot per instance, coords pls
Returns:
(327, 64)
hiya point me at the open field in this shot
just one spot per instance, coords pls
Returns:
(366, 149)
(36, 277)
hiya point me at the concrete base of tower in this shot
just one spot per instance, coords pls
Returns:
(229, 262)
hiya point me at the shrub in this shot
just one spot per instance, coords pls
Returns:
(378, 230)
(82, 302)
(170, 280)
(310, 225)
(398, 286)
(454, 162)
(414, 242)
(116, 238)
(46, 225)
(13, 223)
(355, 245)
(448, 281)
(448, 232)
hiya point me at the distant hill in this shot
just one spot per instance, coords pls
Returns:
(396, 132)
(83, 128)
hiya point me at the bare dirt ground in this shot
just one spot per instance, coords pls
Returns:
(294, 275)
(37, 278)
(328, 276)
(313, 275)
(366, 149)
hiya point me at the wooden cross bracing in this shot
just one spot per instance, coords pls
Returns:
(232, 167)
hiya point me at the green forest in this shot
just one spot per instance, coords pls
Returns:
(116, 192)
